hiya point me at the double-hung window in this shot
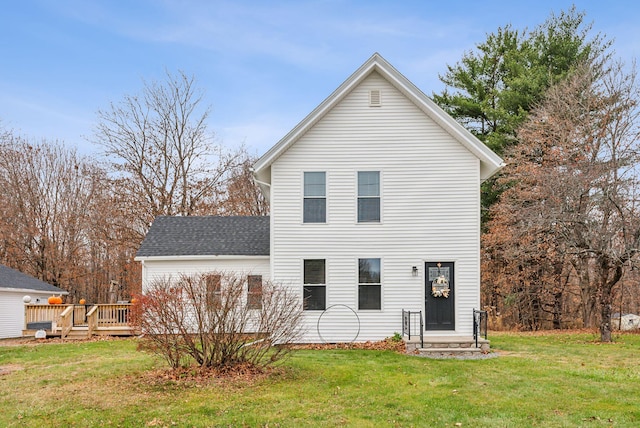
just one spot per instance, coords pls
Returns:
(254, 291)
(315, 285)
(368, 196)
(369, 285)
(213, 283)
(315, 197)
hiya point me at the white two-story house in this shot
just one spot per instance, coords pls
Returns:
(375, 209)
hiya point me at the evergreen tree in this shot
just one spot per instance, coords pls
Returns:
(491, 90)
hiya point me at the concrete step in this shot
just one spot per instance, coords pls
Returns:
(453, 343)
(449, 352)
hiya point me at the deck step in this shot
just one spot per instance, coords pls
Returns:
(78, 332)
(72, 336)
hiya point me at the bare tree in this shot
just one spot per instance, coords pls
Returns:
(165, 157)
(45, 190)
(575, 188)
(211, 319)
(241, 195)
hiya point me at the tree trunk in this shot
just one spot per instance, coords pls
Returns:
(606, 298)
(557, 311)
(581, 267)
(605, 313)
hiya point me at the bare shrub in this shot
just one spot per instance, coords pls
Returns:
(210, 319)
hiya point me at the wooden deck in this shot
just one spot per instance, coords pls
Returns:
(78, 321)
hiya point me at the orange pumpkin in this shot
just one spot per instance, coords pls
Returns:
(82, 301)
(134, 301)
(55, 300)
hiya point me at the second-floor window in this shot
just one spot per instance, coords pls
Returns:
(368, 196)
(315, 197)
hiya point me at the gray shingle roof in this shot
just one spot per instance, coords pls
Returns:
(207, 236)
(11, 278)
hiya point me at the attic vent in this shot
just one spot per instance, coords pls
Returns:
(375, 98)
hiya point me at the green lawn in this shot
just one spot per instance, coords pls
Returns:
(554, 380)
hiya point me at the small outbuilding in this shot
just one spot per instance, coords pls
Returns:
(625, 322)
(15, 286)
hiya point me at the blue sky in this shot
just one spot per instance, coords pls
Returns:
(263, 65)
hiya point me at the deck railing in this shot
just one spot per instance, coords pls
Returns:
(66, 321)
(92, 320)
(96, 318)
(113, 315)
(42, 313)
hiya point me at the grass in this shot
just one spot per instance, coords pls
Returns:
(548, 380)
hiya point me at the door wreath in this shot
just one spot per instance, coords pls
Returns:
(440, 287)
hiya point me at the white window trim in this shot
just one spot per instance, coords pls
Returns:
(326, 198)
(326, 281)
(368, 223)
(357, 280)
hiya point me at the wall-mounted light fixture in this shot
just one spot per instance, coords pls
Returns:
(414, 271)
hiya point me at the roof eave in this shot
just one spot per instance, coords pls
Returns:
(312, 118)
(199, 257)
(490, 162)
(31, 290)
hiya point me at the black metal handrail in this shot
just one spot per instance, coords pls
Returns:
(409, 319)
(479, 325)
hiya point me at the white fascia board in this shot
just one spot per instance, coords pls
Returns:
(490, 162)
(31, 291)
(194, 257)
(312, 118)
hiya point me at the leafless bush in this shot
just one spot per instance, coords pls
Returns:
(213, 321)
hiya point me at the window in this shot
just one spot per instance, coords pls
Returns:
(315, 197)
(254, 291)
(369, 284)
(368, 196)
(314, 285)
(214, 289)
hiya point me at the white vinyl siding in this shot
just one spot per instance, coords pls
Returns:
(242, 266)
(431, 209)
(12, 310)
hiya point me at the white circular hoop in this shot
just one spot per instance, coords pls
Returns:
(334, 306)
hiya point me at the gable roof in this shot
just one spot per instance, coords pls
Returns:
(206, 236)
(490, 163)
(14, 279)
